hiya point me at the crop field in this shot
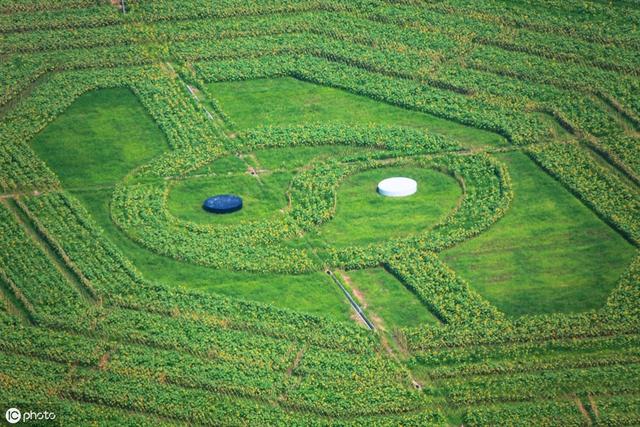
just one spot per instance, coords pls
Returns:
(505, 291)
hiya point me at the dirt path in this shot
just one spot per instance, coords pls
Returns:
(353, 303)
(594, 407)
(582, 410)
(380, 325)
(296, 361)
(377, 321)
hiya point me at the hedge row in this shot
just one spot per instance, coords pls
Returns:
(31, 276)
(112, 384)
(118, 283)
(620, 317)
(242, 369)
(438, 288)
(597, 188)
(543, 414)
(493, 354)
(544, 385)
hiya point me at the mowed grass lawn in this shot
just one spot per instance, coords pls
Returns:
(288, 101)
(549, 253)
(262, 197)
(99, 139)
(104, 135)
(363, 216)
(387, 300)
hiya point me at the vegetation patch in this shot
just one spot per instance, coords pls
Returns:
(549, 253)
(506, 295)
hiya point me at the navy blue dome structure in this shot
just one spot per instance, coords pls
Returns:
(223, 203)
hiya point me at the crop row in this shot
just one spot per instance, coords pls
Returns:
(486, 356)
(539, 20)
(75, 412)
(624, 151)
(455, 29)
(13, 6)
(542, 385)
(401, 139)
(263, 377)
(343, 27)
(622, 305)
(581, 111)
(105, 387)
(591, 22)
(97, 15)
(617, 410)
(5, 316)
(100, 16)
(438, 287)
(481, 113)
(577, 110)
(543, 414)
(545, 43)
(510, 38)
(546, 362)
(120, 284)
(345, 52)
(520, 128)
(538, 70)
(21, 168)
(411, 60)
(619, 319)
(158, 32)
(533, 329)
(233, 353)
(236, 348)
(183, 121)
(33, 280)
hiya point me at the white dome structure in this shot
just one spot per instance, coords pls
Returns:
(397, 187)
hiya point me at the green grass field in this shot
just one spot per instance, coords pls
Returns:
(288, 101)
(387, 300)
(549, 253)
(262, 198)
(114, 120)
(99, 139)
(505, 292)
(363, 216)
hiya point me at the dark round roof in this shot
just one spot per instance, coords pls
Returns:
(223, 203)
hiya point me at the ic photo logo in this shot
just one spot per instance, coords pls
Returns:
(13, 415)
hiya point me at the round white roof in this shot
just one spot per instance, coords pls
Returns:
(397, 187)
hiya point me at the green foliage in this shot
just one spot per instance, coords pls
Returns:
(603, 192)
(541, 414)
(438, 288)
(139, 208)
(27, 272)
(549, 253)
(148, 354)
(623, 148)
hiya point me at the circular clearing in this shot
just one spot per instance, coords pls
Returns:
(397, 187)
(222, 203)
